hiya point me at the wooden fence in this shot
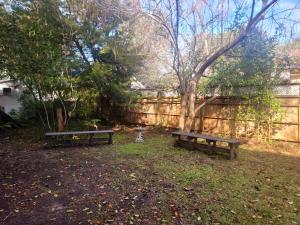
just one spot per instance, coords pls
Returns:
(216, 117)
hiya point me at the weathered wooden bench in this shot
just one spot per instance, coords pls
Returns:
(190, 141)
(71, 138)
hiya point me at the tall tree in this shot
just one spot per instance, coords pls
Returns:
(34, 51)
(104, 42)
(199, 33)
(64, 51)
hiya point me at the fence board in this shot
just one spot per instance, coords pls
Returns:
(217, 117)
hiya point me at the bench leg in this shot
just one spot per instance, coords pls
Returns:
(175, 143)
(50, 142)
(236, 151)
(192, 140)
(233, 151)
(214, 145)
(211, 146)
(110, 141)
(91, 139)
(177, 140)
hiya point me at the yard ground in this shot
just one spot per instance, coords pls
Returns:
(146, 183)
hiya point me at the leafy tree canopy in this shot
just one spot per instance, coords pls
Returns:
(247, 69)
(66, 51)
(249, 72)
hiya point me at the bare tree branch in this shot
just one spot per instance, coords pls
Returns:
(81, 50)
(251, 24)
(211, 99)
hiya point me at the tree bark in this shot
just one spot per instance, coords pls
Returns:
(183, 106)
(45, 108)
(191, 105)
(211, 99)
(70, 113)
(64, 108)
(60, 120)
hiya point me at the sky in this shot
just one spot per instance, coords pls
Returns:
(292, 16)
(287, 13)
(286, 4)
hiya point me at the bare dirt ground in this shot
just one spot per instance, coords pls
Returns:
(149, 183)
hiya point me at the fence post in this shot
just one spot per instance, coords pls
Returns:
(157, 114)
(201, 123)
(298, 113)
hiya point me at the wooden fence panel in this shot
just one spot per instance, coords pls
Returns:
(218, 117)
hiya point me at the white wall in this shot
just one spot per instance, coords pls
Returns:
(10, 102)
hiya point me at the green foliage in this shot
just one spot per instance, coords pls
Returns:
(110, 76)
(30, 109)
(248, 69)
(5, 125)
(249, 74)
(264, 109)
(66, 59)
(33, 53)
(92, 123)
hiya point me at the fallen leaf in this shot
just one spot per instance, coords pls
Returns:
(188, 189)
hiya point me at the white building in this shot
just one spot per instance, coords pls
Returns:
(9, 96)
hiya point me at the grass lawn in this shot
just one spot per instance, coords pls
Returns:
(146, 183)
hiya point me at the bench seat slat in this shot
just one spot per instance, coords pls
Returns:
(205, 136)
(210, 147)
(79, 132)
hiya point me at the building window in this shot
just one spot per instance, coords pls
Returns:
(6, 91)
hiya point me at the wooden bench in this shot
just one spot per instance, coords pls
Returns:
(73, 138)
(189, 140)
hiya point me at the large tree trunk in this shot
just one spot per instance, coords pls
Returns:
(183, 106)
(191, 105)
(188, 106)
(60, 120)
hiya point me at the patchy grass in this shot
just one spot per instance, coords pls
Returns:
(147, 183)
(258, 188)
